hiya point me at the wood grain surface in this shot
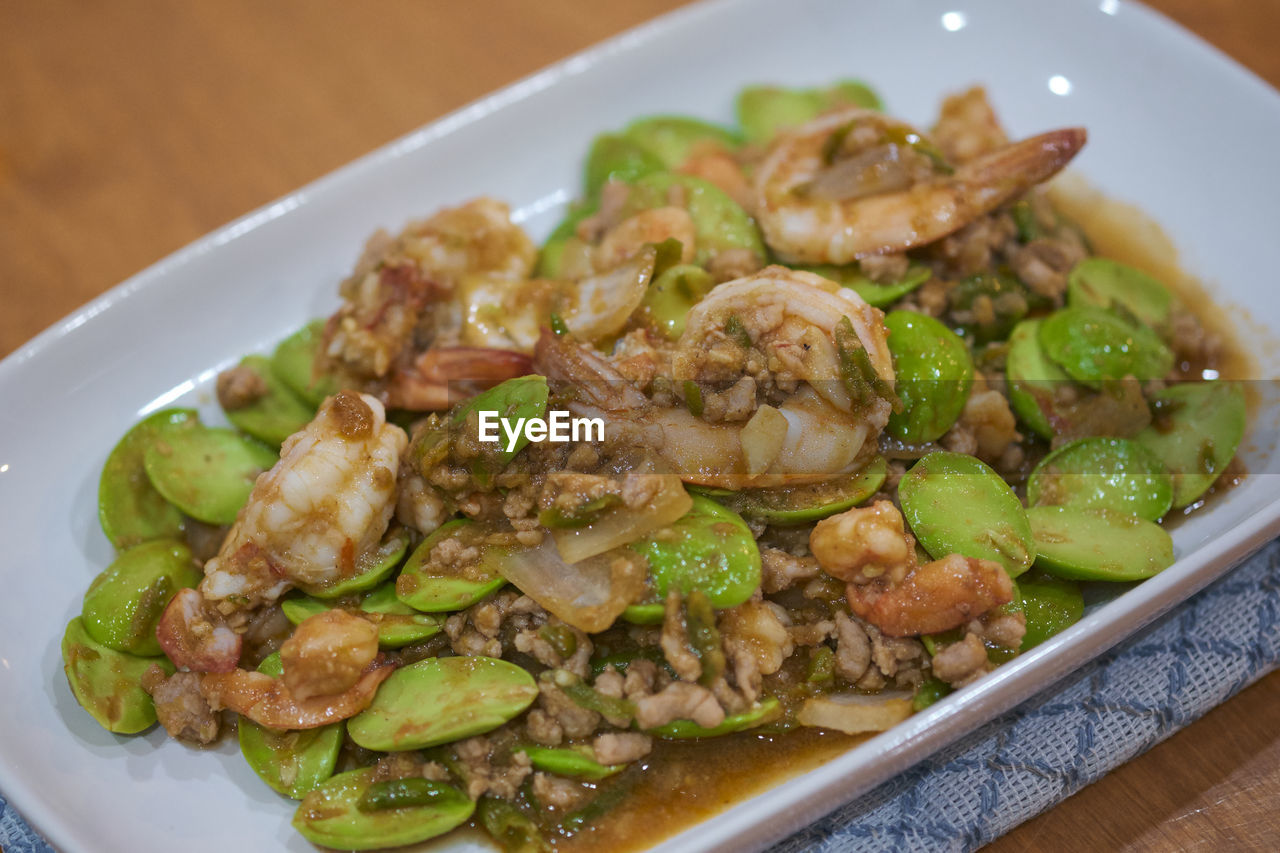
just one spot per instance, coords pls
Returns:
(128, 129)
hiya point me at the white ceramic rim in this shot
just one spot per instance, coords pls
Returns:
(762, 819)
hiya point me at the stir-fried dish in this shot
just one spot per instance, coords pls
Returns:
(798, 425)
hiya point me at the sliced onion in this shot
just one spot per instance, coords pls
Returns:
(871, 172)
(855, 713)
(626, 524)
(600, 305)
(588, 595)
(762, 439)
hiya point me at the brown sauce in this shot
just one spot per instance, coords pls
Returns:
(685, 782)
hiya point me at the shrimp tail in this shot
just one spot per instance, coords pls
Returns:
(1012, 169)
(848, 221)
(567, 363)
(425, 384)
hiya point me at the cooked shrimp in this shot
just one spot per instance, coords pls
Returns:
(447, 308)
(967, 126)
(442, 376)
(595, 307)
(935, 597)
(196, 639)
(405, 286)
(778, 327)
(268, 702)
(648, 226)
(783, 322)
(864, 543)
(719, 167)
(319, 514)
(856, 183)
(327, 654)
(869, 548)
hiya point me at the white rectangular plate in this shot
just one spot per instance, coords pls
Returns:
(1174, 127)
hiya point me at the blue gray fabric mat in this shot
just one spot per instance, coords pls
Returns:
(1104, 714)
(1167, 676)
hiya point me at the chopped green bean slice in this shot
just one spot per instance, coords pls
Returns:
(693, 398)
(402, 793)
(331, 816)
(822, 665)
(510, 827)
(576, 762)
(930, 691)
(765, 711)
(581, 515)
(585, 696)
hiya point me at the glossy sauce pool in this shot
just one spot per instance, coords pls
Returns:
(685, 782)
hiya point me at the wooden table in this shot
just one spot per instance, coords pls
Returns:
(128, 129)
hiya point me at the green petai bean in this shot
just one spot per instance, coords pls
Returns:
(277, 414)
(331, 815)
(207, 472)
(1050, 606)
(130, 509)
(433, 588)
(1095, 346)
(1098, 544)
(934, 376)
(1032, 377)
(125, 601)
(1105, 283)
(763, 111)
(614, 157)
(673, 139)
(1195, 431)
(786, 506)
(956, 504)
(1113, 473)
(108, 683)
(709, 548)
(440, 700)
(295, 363)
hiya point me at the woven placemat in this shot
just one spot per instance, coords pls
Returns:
(1024, 762)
